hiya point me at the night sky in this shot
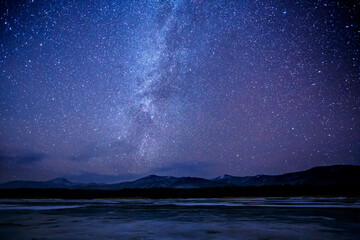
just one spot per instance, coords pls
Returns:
(107, 91)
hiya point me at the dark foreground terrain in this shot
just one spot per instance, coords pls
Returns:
(261, 191)
(234, 218)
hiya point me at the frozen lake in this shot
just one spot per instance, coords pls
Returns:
(238, 218)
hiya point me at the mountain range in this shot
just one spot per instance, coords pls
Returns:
(319, 176)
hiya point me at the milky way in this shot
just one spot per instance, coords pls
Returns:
(108, 91)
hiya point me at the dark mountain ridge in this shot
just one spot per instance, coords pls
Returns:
(317, 176)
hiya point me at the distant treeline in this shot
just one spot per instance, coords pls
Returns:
(263, 191)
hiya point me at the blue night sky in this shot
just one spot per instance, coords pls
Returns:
(113, 90)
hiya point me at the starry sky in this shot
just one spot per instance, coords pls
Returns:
(114, 90)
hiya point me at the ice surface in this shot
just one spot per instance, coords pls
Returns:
(246, 218)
